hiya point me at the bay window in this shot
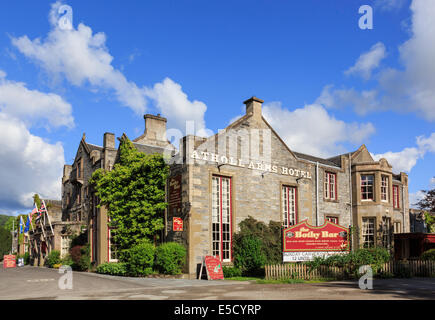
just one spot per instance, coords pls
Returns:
(367, 182)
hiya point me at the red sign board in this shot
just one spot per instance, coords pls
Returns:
(177, 224)
(213, 267)
(9, 261)
(307, 238)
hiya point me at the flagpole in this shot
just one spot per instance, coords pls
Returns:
(49, 221)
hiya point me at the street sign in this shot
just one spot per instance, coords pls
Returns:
(177, 224)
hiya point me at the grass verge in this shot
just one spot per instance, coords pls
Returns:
(282, 281)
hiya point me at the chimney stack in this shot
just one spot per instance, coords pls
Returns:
(109, 140)
(155, 127)
(253, 106)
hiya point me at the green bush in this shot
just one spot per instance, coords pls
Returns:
(170, 258)
(352, 261)
(115, 269)
(139, 259)
(231, 272)
(249, 256)
(270, 235)
(80, 256)
(428, 255)
(53, 258)
(67, 261)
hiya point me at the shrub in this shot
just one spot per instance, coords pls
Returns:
(66, 261)
(249, 256)
(53, 258)
(80, 256)
(352, 261)
(170, 258)
(140, 259)
(116, 269)
(270, 235)
(231, 272)
(428, 255)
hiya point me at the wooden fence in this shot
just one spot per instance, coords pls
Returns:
(414, 268)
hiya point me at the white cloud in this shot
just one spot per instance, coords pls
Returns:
(174, 103)
(368, 61)
(312, 130)
(402, 161)
(82, 58)
(410, 89)
(415, 197)
(427, 144)
(17, 100)
(406, 159)
(432, 181)
(29, 165)
(389, 5)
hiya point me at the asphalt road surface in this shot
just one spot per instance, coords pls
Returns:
(43, 283)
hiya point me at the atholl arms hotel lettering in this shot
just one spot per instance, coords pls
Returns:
(264, 167)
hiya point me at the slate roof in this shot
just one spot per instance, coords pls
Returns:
(328, 162)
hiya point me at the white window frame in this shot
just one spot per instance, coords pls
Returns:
(368, 230)
(384, 188)
(367, 186)
(222, 218)
(65, 242)
(289, 205)
(330, 185)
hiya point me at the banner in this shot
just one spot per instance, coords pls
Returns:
(303, 242)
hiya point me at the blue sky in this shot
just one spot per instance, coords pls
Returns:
(328, 85)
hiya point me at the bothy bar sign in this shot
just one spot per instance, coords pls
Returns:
(303, 242)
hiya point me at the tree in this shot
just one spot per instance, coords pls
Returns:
(5, 241)
(134, 194)
(427, 203)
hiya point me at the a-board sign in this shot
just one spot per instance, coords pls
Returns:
(303, 242)
(9, 261)
(177, 224)
(212, 267)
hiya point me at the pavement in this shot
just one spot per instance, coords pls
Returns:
(43, 283)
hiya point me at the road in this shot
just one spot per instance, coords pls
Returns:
(43, 283)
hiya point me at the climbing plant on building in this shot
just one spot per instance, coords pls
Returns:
(134, 194)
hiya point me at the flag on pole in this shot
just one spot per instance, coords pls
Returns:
(40, 212)
(21, 224)
(26, 229)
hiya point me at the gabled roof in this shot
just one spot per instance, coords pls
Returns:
(327, 162)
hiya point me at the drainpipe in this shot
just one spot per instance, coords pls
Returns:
(317, 193)
(350, 198)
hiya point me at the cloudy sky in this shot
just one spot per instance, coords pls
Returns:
(329, 86)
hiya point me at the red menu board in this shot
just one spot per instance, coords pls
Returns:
(177, 224)
(9, 261)
(213, 268)
(304, 237)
